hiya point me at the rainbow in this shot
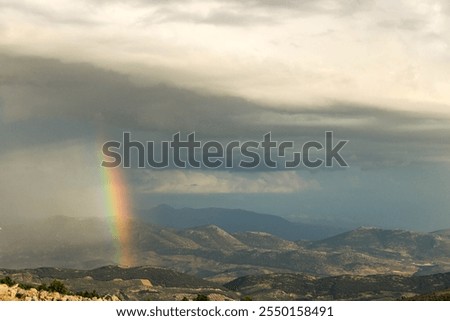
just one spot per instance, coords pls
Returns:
(119, 213)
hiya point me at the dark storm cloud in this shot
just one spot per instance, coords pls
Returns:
(41, 88)
(36, 89)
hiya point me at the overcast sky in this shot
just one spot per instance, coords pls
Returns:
(74, 74)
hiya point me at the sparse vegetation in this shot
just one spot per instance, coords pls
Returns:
(87, 294)
(201, 297)
(24, 286)
(435, 296)
(58, 286)
(54, 286)
(8, 281)
(42, 287)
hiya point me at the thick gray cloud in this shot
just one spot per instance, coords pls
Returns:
(35, 89)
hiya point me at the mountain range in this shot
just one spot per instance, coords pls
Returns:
(223, 254)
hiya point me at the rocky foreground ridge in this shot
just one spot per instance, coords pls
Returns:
(16, 293)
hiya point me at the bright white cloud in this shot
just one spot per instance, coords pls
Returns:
(381, 53)
(201, 182)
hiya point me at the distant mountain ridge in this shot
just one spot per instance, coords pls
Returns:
(211, 252)
(236, 220)
(394, 241)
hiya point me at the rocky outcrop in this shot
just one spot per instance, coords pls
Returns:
(15, 293)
